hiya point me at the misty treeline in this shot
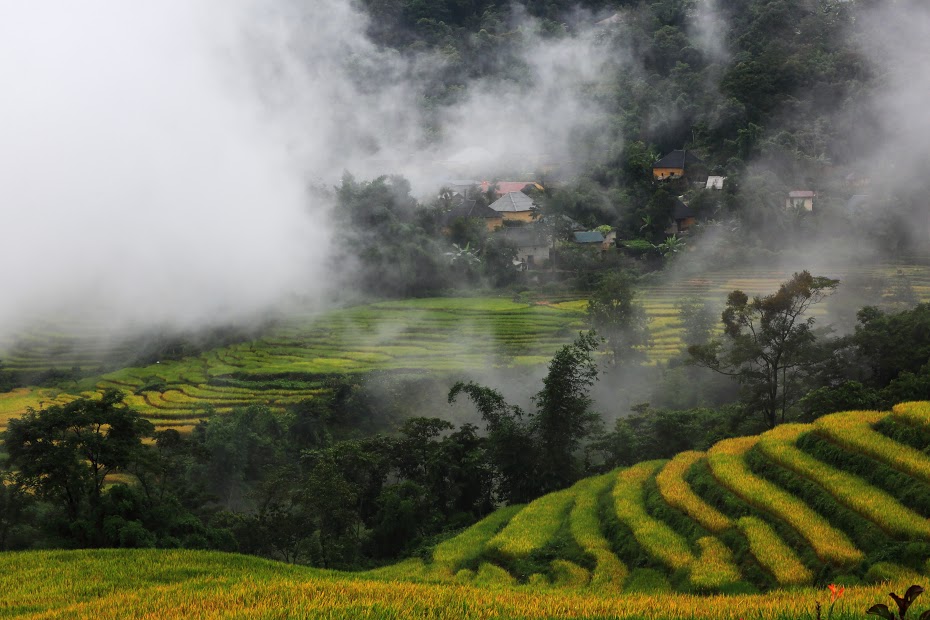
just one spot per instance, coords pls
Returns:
(775, 95)
(302, 486)
(355, 478)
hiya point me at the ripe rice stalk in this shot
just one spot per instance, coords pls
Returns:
(676, 492)
(535, 526)
(657, 538)
(585, 525)
(468, 545)
(851, 491)
(916, 413)
(728, 466)
(853, 430)
(773, 554)
(714, 568)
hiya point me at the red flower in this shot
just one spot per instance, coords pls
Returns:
(835, 592)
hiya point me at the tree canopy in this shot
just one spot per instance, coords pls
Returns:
(768, 343)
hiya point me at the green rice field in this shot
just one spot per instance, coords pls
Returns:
(291, 360)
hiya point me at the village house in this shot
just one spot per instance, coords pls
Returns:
(461, 187)
(801, 199)
(589, 238)
(502, 188)
(596, 238)
(676, 165)
(858, 181)
(614, 20)
(532, 244)
(515, 207)
(683, 218)
(714, 182)
(471, 210)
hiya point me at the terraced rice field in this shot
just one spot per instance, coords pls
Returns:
(600, 549)
(291, 360)
(728, 529)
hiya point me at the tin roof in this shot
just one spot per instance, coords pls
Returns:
(513, 202)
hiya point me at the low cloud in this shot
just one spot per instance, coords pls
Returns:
(157, 157)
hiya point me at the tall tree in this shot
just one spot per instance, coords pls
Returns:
(510, 444)
(65, 452)
(537, 454)
(697, 318)
(768, 343)
(564, 417)
(615, 314)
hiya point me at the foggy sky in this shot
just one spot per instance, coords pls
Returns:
(155, 156)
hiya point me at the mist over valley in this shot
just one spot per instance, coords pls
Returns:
(574, 300)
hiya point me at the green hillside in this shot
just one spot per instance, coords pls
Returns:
(292, 360)
(838, 500)
(755, 527)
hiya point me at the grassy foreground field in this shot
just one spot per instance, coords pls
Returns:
(292, 360)
(196, 584)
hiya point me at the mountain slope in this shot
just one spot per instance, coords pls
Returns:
(837, 500)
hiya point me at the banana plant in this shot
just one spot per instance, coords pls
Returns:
(903, 602)
(462, 255)
(671, 245)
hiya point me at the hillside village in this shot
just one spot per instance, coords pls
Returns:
(517, 212)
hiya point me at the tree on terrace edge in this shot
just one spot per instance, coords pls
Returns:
(769, 344)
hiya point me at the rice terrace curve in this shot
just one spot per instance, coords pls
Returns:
(290, 361)
(678, 538)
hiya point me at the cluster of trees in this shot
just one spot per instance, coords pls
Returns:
(389, 245)
(301, 486)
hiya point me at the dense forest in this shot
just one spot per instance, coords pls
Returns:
(775, 96)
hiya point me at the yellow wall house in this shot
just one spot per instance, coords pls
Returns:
(674, 165)
(515, 207)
